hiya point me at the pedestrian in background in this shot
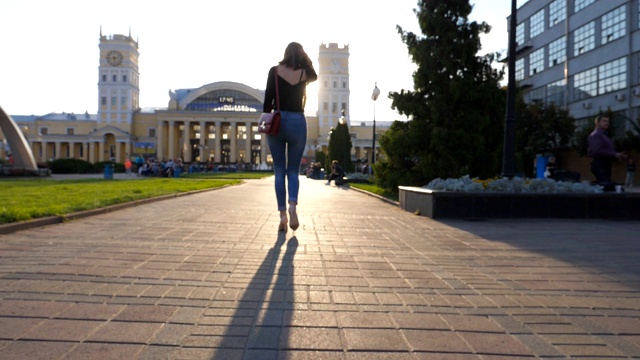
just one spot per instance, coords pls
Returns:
(603, 153)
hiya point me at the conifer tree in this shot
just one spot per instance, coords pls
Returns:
(340, 147)
(456, 108)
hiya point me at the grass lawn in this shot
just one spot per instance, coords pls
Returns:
(29, 199)
(376, 190)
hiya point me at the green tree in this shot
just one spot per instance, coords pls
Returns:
(340, 147)
(542, 128)
(456, 109)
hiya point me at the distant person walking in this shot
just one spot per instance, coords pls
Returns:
(603, 152)
(294, 71)
(127, 166)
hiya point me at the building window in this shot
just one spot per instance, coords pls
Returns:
(44, 131)
(113, 101)
(151, 132)
(334, 107)
(325, 106)
(585, 84)
(555, 92)
(103, 100)
(613, 25)
(104, 78)
(520, 34)
(557, 12)
(123, 101)
(537, 95)
(124, 78)
(520, 69)
(344, 108)
(70, 131)
(344, 84)
(326, 84)
(536, 24)
(536, 62)
(335, 84)
(612, 76)
(114, 77)
(557, 51)
(584, 39)
(581, 4)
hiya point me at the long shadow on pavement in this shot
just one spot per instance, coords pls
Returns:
(268, 323)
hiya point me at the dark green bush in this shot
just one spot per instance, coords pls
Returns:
(71, 166)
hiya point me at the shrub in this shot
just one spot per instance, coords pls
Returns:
(70, 166)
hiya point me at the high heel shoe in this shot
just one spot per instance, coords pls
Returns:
(294, 219)
(283, 223)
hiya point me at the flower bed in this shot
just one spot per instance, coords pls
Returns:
(467, 198)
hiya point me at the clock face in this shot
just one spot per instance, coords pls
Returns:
(114, 58)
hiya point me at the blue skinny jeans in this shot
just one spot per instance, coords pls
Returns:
(286, 150)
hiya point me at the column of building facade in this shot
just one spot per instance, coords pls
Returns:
(160, 139)
(263, 148)
(43, 148)
(233, 152)
(85, 151)
(186, 143)
(58, 150)
(92, 151)
(101, 150)
(203, 141)
(127, 149)
(118, 151)
(247, 143)
(71, 150)
(217, 151)
(171, 153)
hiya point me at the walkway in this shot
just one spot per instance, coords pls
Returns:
(207, 276)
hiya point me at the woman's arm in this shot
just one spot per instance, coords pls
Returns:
(270, 92)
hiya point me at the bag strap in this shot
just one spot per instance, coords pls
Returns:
(277, 92)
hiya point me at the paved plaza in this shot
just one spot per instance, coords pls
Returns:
(207, 276)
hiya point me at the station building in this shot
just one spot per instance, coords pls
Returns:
(215, 123)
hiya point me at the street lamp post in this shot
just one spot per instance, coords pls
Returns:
(509, 151)
(374, 97)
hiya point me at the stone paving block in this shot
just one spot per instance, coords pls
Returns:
(364, 320)
(126, 332)
(374, 340)
(36, 349)
(503, 344)
(419, 321)
(43, 309)
(146, 313)
(91, 311)
(472, 323)
(436, 341)
(301, 338)
(311, 355)
(380, 356)
(12, 328)
(302, 318)
(104, 351)
(62, 330)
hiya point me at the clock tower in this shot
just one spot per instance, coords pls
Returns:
(118, 82)
(333, 86)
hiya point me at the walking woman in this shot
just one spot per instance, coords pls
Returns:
(294, 71)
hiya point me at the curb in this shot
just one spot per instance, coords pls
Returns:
(379, 197)
(51, 220)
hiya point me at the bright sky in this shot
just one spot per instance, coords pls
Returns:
(49, 49)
